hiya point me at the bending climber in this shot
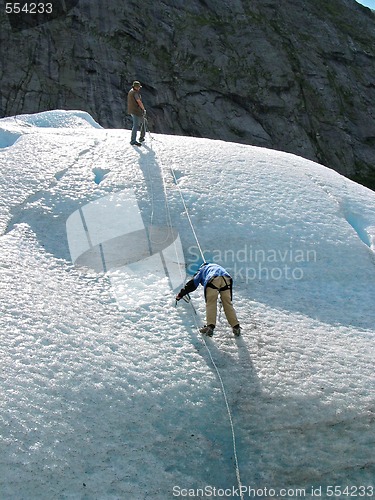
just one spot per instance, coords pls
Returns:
(137, 111)
(215, 280)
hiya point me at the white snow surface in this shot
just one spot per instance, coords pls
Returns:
(108, 390)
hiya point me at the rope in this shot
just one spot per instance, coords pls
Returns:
(168, 218)
(179, 190)
(187, 214)
(238, 476)
(237, 468)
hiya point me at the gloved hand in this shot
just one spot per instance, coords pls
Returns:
(144, 112)
(178, 297)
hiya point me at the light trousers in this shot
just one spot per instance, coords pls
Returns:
(212, 295)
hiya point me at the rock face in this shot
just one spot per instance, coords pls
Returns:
(284, 74)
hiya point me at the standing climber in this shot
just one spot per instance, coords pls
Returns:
(215, 280)
(137, 112)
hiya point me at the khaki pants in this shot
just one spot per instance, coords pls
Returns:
(211, 302)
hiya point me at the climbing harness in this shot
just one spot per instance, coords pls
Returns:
(188, 300)
(227, 286)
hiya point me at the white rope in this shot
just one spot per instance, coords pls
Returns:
(168, 218)
(187, 214)
(182, 198)
(237, 468)
(238, 476)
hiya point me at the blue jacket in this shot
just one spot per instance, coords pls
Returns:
(203, 277)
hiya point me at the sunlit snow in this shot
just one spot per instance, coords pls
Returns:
(107, 388)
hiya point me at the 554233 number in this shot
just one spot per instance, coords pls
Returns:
(28, 8)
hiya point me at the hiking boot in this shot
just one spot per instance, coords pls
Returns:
(237, 330)
(141, 139)
(136, 143)
(208, 330)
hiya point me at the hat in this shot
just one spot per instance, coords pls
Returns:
(136, 83)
